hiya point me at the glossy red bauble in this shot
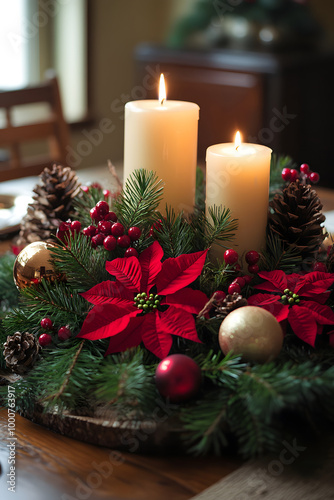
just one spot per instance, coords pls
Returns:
(44, 339)
(178, 378)
(231, 256)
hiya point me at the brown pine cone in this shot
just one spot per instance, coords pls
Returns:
(230, 303)
(20, 352)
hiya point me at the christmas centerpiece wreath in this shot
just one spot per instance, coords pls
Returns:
(125, 333)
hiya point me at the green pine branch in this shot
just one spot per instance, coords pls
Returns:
(276, 256)
(8, 290)
(174, 234)
(217, 227)
(278, 162)
(139, 200)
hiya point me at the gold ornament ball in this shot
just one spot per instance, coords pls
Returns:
(252, 332)
(33, 263)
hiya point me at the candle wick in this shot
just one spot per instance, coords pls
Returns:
(237, 147)
(162, 101)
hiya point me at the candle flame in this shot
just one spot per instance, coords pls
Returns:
(162, 89)
(237, 140)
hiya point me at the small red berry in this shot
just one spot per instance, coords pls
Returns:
(234, 287)
(62, 235)
(85, 189)
(247, 279)
(131, 252)
(237, 267)
(104, 226)
(314, 177)
(110, 243)
(111, 216)
(46, 324)
(75, 226)
(98, 239)
(102, 207)
(253, 268)
(304, 168)
(157, 226)
(134, 233)
(106, 193)
(117, 229)
(294, 175)
(96, 185)
(64, 226)
(240, 281)
(252, 257)
(124, 241)
(320, 267)
(44, 339)
(231, 256)
(219, 296)
(64, 332)
(95, 214)
(286, 174)
(90, 231)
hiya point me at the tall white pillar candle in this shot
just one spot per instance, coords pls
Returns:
(161, 135)
(237, 177)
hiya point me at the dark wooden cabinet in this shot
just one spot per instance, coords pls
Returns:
(282, 100)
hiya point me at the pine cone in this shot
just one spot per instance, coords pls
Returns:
(297, 218)
(20, 352)
(230, 303)
(53, 202)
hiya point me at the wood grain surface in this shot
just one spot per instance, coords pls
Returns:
(53, 467)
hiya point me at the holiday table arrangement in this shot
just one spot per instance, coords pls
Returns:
(123, 315)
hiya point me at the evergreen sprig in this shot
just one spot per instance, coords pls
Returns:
(277, 257)
(140, 198)
(217, 227)
(8, 291)
(278, 162)
(174, 234)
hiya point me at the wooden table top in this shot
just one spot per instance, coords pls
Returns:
(54, 467)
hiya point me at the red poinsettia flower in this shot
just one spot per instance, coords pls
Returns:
(129, 312)
(298, 299)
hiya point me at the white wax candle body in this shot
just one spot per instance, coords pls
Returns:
(238, 179)
(163, 138)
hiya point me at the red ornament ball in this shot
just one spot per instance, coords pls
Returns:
(131, 252)
(234, 287)
(178, 378)
(64, 332)
(46, 324)
(294, 175)
(124, 241)
(314, 177)
(252, 257)
(110, 243)
(44, 339)
(134, 233)
(231, 256)
(304, 168)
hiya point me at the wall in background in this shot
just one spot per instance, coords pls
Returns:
(116, 27)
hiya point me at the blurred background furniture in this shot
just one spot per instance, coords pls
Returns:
(43, 125)
(280, 99)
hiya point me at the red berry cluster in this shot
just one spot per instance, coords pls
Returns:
(304, 174)
(231, 258)
(106, 231)
(64, 332)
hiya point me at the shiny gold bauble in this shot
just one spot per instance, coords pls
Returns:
(252, 332)
(33, 264)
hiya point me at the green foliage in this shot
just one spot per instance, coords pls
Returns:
(140, 198)
(200, 190)
(277, 164)
(82, 266)
(84, 202)
(277, 257)
(217, 227)
(174, 234)
(8, 290)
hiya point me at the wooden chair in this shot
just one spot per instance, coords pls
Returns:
(53, 130)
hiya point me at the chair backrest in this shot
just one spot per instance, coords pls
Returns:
(53, 130)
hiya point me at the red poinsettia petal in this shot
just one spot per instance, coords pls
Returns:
(178, 322)
(275, 281)
(130, 337)
(150, 261)
(155, 337)
(127, 271)
(270, 303)
(322, 314)
(187, 299)
(104, 321)
(109, 292)
(180, 272)
(303, 324)
(315, 285)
